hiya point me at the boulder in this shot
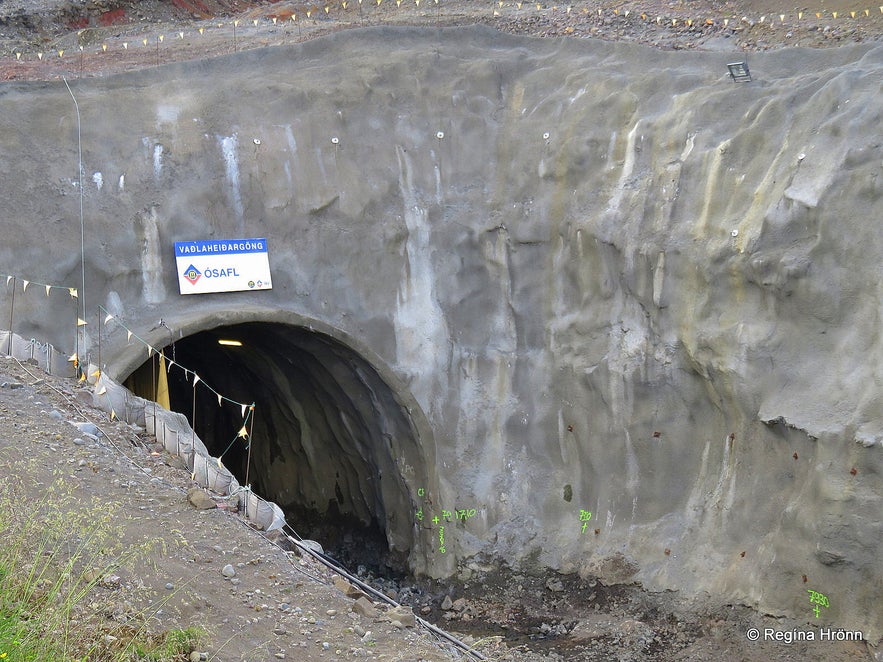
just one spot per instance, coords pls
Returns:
(364, 607)
(200, 500)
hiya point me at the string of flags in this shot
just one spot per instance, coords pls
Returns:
(291, 17)
(246, 409)
(72, 291)
(170, 363)
(243, 433)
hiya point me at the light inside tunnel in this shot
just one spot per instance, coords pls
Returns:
(332, 443)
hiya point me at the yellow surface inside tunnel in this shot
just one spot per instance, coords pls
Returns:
(330, 441)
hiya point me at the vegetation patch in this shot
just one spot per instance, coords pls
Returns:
(61, 566)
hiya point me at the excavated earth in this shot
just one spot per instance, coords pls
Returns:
(52, 38)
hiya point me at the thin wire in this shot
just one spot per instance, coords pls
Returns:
(82, 296)
(187, 371)
(250, 431)
(36, 284)
(230, 445)
(11, 314)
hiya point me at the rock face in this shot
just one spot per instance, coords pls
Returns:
(565, 304)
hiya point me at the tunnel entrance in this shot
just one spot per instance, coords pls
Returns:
(331, 442)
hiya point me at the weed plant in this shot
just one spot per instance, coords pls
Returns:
(60, 567)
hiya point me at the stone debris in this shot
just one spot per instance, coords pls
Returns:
(86, 428)
(313, 546)
(200, 500)
(364, 607)
(402, 615)
(348, 589)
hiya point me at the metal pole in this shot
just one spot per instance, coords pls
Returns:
(11, 313)
(98, 317)
(248, 459)
(76, 342)
(153, 369)
(82, 296)
(193, 417)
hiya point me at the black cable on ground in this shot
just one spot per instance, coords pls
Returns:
(335, 567)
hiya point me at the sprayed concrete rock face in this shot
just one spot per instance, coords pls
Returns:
(552, 304)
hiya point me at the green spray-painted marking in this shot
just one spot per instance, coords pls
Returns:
(585, 516)
(817, 599)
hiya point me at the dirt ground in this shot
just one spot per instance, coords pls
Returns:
(286, 605)
(283, 605)
(44, 39)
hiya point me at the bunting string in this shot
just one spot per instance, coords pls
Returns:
(12, 282)
(246, 409)
(287, 15)
(243, 434)
(73, 292)
(189, 375)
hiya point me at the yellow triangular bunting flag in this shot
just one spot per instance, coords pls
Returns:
(81, 322)
(48, 287)
(243, 411)
(162, 385)
(73, 292)
(108, 318)
(243, 432)
(25, 284)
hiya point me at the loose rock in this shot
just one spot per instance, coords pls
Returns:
(200, 500)
(364, 607)
(402, 615)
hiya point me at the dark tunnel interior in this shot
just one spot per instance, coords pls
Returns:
(331, 443)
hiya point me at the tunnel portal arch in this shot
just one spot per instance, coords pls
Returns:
(337, 441)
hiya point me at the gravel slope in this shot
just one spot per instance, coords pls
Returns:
(45, 39)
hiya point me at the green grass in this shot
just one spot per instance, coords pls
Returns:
(58, 559)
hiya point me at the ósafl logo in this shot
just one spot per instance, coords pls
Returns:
(192, 274)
